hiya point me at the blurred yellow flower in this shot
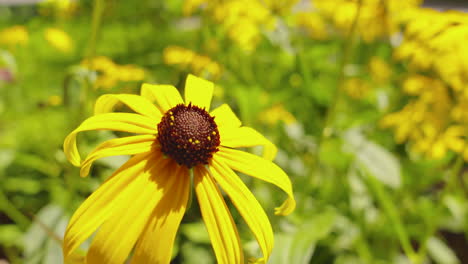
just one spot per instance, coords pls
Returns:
(59, 39)
(110, 73)
(379, 70)
(376, 18)
(15, 35)
(277, 113)
(180, 146)
(435, 45)
(313, 23)
(242, 20)
(198, 64)
(54, 100)
(356, 88)
(60, 8)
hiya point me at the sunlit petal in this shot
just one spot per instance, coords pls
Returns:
(166, 96)
(262, 169)
(139, 104)
(119, 146)
(225, 117)
(157, 240)
(247, 137)
(126, 122)
(119, 233)
(198, 91)
(246, 204)
(97, 208)
(218, 220)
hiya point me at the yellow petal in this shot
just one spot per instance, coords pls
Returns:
(126, 122)
(198, 91)
(218, 221)
(156, 242)
(139, 104)
(119, 233)
(224, 116)
(246, 204)
(116, 147)
(246, 137)
(101, 203)
(166, 96)
(261, 169)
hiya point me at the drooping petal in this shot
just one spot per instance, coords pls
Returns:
(198, 91)
(126, 122)
(120, 146)
(139, 104)
(246, 137)
(157, 239)
(218, 220)
(166, 96)
(225, 117)
(110, 196)
(119, 233)
(261, 169)
(246, 204)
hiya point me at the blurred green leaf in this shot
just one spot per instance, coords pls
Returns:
(298, 246)
(440, 252)
(375, 159)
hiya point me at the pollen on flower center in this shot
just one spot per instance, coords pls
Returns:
(188, 134)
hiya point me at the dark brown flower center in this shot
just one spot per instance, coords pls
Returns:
(188, 134)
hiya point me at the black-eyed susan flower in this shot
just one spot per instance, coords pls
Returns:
(141, 205)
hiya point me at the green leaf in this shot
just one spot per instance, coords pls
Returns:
(298, 246)
(374, 159)
(9, 234)
(440, 252)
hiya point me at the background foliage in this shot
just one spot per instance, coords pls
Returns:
(367, 101)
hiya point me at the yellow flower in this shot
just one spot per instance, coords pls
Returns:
(60, 8)
(198, 64)
(379, 70)
(243, 20)
(276, 114)
(356, 88)
(313, 23)
(376, 18)
(110, 73)
(59, 39)
(15, 35)
(143, 202)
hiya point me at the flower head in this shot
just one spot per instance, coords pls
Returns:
(59, 39)
(142, 204)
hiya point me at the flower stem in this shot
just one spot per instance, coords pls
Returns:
(348, 46)
(12, 212)
(392, 213)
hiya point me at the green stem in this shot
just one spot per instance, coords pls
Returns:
(448, 187)
(95, 25)
(12, 212)
(348, 46)
(392, 213)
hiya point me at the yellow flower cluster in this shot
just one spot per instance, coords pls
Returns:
(313, 23)
(376, 18)
(15, 35)
(242, 19)
(436, 120)
(198, 64)
(110, 73)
